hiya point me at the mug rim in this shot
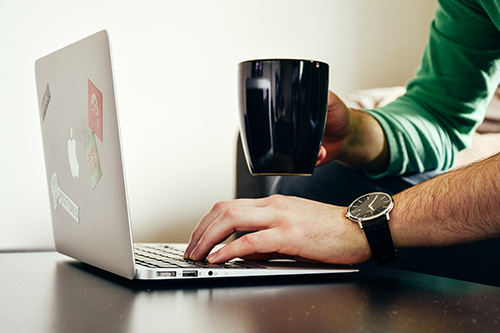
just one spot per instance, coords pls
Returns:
(284, 60)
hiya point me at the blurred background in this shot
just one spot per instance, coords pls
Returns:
(175, 68)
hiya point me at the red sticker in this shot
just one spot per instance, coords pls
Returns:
(95, 110)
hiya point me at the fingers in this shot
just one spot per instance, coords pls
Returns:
(224, 219)
(321, 156)
(333, 99)
(207, 220)
(337, 130)
(258, 245)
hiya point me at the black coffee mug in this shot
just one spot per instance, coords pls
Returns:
(283, 107)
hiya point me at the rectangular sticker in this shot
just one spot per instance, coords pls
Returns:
(95, 110)
(93, 160)
(60, 197)
(45, 102)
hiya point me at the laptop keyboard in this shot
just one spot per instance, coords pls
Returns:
(164, 256)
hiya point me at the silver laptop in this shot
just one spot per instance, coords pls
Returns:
(86, 176)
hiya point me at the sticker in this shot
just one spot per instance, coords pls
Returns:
(93, 160)
(59, 197)
(95, 110)
(45, 102)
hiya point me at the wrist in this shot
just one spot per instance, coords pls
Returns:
(365, 144)
(357, 247)
(371, 213)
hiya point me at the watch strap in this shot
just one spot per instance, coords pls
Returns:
(379, 238)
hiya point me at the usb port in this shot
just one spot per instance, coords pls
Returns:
(166, 274)
(189, 273)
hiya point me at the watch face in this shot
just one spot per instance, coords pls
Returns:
(370, 206)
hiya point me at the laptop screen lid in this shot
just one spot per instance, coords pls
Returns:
(83, 157)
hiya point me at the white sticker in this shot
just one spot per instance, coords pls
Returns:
(59, 197)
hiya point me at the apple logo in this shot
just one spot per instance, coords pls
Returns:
(73, 161)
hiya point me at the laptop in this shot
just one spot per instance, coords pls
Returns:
(86, 176)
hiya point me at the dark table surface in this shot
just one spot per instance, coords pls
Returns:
(48, 292)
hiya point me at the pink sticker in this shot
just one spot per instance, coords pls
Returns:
(95, 110)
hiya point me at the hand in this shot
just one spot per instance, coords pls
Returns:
(282, 227)
(353, 137)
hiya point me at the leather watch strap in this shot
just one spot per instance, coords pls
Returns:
(379, 238)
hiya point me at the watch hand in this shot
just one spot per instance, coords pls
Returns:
(370, 205)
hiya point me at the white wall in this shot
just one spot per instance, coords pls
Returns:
(175, 64)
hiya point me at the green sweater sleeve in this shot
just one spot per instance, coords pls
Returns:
(447, 98)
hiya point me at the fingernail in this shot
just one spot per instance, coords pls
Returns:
(188, 253)
(212, 257)
(191, 255)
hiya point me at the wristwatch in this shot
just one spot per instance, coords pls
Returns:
(371, 212)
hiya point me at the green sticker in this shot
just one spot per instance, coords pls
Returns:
(93, 160)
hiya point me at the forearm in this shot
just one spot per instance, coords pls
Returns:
(447, 98)
(458, 207)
